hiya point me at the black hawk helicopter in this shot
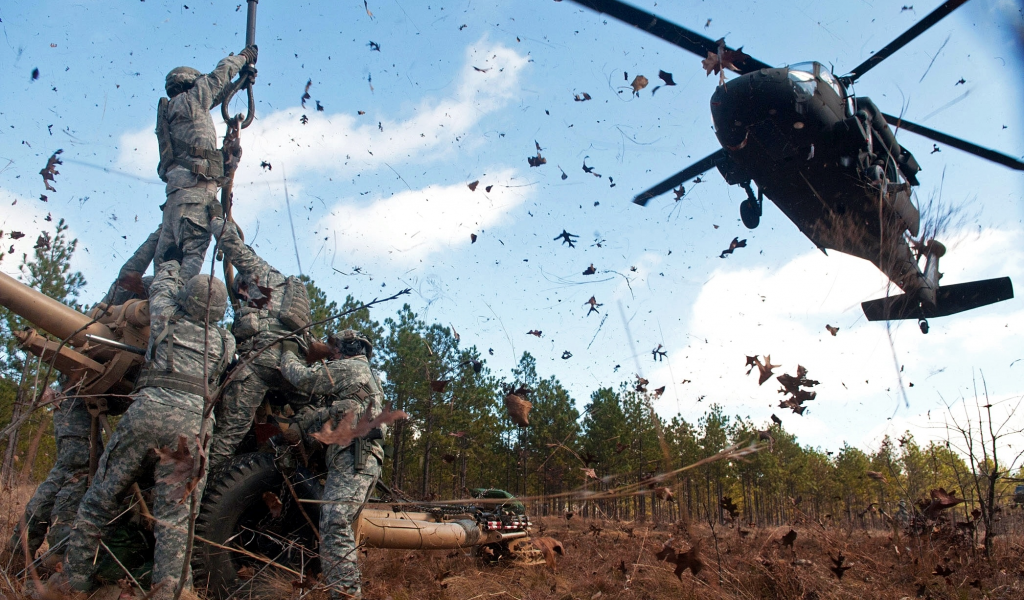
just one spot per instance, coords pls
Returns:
(829, 161)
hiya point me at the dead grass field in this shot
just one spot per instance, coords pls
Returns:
(606, 559)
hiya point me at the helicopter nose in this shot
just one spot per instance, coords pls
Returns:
(748, 101)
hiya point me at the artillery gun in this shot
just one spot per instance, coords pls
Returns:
(265, 502)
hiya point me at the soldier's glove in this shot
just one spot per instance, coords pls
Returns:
(250, 53)
(290, 345)
(173, 253)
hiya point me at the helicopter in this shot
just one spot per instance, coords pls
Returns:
(830, 162)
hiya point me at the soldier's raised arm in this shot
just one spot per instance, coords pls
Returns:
(131, 272)
(208, 88)
(241, 256)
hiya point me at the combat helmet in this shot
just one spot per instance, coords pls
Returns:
(198, 291)
(348, 340)
(179, 80)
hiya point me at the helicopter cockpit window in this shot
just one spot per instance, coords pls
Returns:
(802, 76)
(832, 82)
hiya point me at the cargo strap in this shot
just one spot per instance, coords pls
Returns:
(170, 380)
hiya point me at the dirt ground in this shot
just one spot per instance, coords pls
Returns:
(605, 559)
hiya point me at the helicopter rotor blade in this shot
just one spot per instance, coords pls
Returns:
(686, 39)
(959, 144)
(920, 27)
(708, 162)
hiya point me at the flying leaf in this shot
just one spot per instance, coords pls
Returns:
(590, 473)
(832, 330)
(733, 245)
(639, 83)
(305, 93)
(472, 186)
(50, 170)
(536, 161)
(876, 476)
(590, 270)
(730, 507)
(839, 569)
(582, 98)
(472, 238)
(348, 429)
(439, 385)
(182, 464)
(535, 332)
(789, 538)
(659, 391)
(666, 77)
(664, 493)
(518, 409)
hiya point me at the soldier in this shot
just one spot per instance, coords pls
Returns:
(53, 507)
(190, 162)
(130, 283)
(273, 306)
(167, 411)
(350, 386)
(51, 511)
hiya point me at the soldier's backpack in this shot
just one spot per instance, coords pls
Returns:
(294, 312)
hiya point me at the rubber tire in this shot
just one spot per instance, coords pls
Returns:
(750, 213)
(236, 493)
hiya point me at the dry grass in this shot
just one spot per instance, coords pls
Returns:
(617, 560)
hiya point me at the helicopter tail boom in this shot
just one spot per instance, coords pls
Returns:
(949, 300)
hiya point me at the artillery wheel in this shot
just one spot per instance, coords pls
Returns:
(236, 514)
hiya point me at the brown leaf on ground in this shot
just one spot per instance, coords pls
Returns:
(518, 409)
(274, 504)
(348, 429)
(50, 170)
(549, 547)
(246, 572)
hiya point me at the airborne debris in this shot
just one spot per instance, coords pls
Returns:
(472, 186)
(566, 355)
(590, 270)
(582, 98)
(587, 169)
(733, 245)
(535, 332)
(518, 409)
(472, 238)
(832, 330)
(722, 60)
(765, 368)
(349, 429)
(182, 463)
(567, 238)
(374, 46)
(49, 171)
(639, 83)
(683, 560)
(266, 166)
(594, 305)
(658, 353)
(305, 93)
(535, 161)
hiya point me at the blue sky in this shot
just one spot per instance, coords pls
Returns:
(386, 191)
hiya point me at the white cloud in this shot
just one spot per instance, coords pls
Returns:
(345, 143)
(783, 313)
(411, 225)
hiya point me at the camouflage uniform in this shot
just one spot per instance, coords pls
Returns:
(56, 500)
(191, 195)
(168, 403)
(351, 385)
(137, 263)
(254, 329)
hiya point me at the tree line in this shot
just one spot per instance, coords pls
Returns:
(459, 435)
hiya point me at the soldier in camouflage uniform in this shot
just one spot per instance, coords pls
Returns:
(55, 503)
(123, 290)
(350, 385)
(168, 403)
(51, 511)
(190, 162)
(273, 305)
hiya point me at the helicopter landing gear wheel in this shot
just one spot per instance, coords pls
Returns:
(923, 324)
(750, 213)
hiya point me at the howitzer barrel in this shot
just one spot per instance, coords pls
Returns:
(48, 314)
